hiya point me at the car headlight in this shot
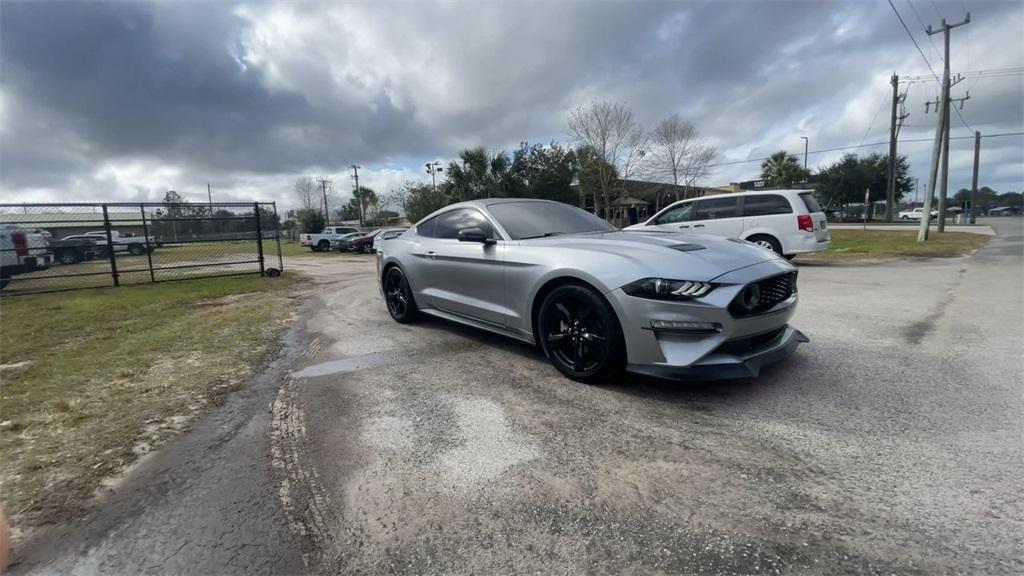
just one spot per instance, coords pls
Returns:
(663, 289)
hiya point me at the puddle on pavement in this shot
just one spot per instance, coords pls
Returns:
(350, 364)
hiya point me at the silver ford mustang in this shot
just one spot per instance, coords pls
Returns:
(596, 300)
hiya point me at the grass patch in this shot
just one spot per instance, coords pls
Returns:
(93, 379)
(849, 245)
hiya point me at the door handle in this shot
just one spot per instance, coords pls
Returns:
(684, 226)
(698, 225)
(430, 254)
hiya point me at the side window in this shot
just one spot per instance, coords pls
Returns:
(427, 228)
(717, 208)
(449, 223)
(766, 205)
(681, 213)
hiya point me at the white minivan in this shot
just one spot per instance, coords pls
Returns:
(789, 222)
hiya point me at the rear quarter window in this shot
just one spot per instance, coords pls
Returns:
(766, 205)
(810, 202)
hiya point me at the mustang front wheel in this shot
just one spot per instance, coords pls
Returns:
(398, 296)
(580, 334)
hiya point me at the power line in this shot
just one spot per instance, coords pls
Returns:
(923, 27)
(883, 143)
(912, 39)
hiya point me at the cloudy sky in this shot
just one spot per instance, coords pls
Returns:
(125, 100)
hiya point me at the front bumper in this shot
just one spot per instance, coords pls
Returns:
(718, 354)
(724, 365)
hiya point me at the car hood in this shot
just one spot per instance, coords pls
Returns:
(667, 254)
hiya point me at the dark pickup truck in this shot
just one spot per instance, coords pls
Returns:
(74, 250)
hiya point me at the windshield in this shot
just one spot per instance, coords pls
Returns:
(528, 219)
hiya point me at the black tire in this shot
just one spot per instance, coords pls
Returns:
(398, 296)
(4, 282)
(323, 246)
(136, 249)
(766, 241)
(580, 334)
(68, 257)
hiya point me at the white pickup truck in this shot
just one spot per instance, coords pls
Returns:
(916, 214)
(22, 251)
(322, 242)
(134, 245)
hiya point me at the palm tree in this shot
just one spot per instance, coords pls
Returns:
(782, 169)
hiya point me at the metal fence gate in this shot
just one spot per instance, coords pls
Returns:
(53, 247)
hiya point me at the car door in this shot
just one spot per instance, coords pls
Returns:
(675, 218)
(464, 278)
(718, 216)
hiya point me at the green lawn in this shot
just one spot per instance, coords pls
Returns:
(92, 379)
(849, 245)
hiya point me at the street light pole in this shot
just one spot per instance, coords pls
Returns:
(805, 151)
(433, 168)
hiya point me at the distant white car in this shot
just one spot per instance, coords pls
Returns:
(916, 214)
(322, 242)
(788, 222)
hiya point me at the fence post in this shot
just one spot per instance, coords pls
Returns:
(110, 247)
(259, 236)
(149, 250)
(277, 234)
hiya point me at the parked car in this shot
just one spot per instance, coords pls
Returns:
(596, 300)
(73, 250)
(21, 252)
(322, 242)
(387, 234)
(1005, 211)
(363, 243)
(788, 222)
(123, 242)
(341, 242)
(916, 214)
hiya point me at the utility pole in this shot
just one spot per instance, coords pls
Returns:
(209, 198)
(805, 152)
(327, 210)
(894, 127)
(946, 85)
(359, 198)
(941, 147)
(974, 176)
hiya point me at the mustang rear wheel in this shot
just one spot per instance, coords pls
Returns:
(398, 296)
(580, 334)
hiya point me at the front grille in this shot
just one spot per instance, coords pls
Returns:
(763, 295)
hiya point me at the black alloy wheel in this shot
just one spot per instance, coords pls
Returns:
(398, 296)
(68, 257)
(580, 334)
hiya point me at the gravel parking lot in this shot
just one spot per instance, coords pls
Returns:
(892, 443)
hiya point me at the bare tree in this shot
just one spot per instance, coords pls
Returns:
(307, 193)
(678, 153)
(613, 135)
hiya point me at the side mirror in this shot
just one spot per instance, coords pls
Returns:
(475, 235)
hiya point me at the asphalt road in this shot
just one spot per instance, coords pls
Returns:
(892, 443)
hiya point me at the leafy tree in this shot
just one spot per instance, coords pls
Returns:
(363, 205)
(479, 174)
(310, 220)
(543, 172)
(417, 200)
(591, 172)
(782, 169)
(1008, 198)
(845, 181)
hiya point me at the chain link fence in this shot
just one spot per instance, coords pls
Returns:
(53, 247)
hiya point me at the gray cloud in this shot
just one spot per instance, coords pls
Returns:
(125, 100)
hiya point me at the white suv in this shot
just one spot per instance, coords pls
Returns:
(789, 222)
